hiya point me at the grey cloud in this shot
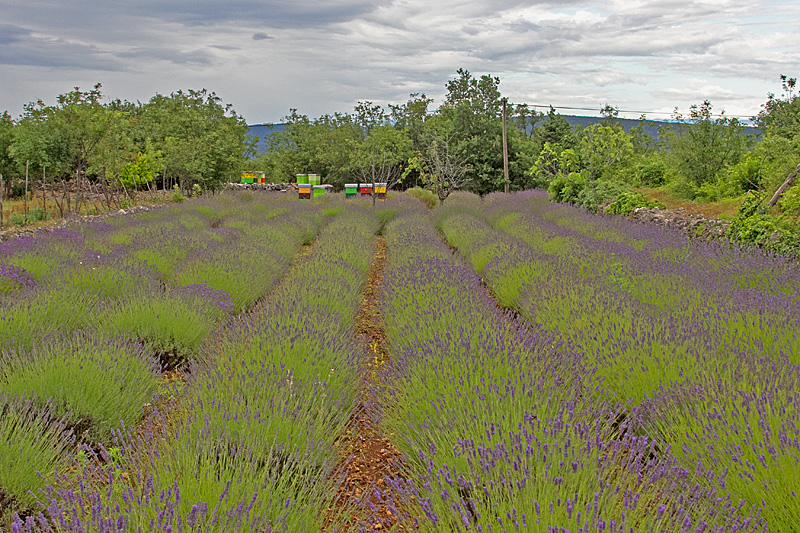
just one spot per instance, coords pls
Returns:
(20, 46)
(10, 34)
(270, 13)
(260, 36)
(193, 57)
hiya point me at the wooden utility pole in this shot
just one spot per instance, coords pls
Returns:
(44, 191)
(25, 202)
(505, 147)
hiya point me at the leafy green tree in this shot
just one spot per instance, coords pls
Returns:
(322, 146)
(412, 116)
(333, 143)
(139, 173)
(440, 167)
(604, 150)
(702, 146)
(610, 115)
(383, 155)
(117, 148)
(64, 140)
(7, 163)
(474, 128)
(556, 130)
(553, 161)
(203, 141)
(85, 121)
(526, 119)
(781, 116)
(368, 115)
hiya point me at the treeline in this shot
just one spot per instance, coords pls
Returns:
(702, 156)
(88, 141)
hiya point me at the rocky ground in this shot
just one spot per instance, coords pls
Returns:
(690, 224)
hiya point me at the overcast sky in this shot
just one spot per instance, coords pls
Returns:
(322, 56)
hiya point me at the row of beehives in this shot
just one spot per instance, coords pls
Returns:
(351, 190)
(308, 191)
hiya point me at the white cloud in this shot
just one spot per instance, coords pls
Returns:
(324, 55)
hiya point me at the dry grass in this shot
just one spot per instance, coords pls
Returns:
(93, 206)
(723, 209)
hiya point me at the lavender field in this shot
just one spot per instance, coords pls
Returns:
(195, 368)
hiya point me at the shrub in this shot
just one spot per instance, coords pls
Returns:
(35, 214)
(566, 188)
(754, 227)
(790, 201)
(626, 202)
(103, 385)
(32, 444)
(177, 195)
(576, 189)
(683, 188)
(26, 321)
(423, 195)
(174, 326)
(596, 193)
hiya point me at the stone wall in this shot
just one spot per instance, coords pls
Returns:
(275, 187)
(688, 223)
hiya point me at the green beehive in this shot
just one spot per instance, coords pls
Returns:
(319, 190)
(314, 179)
(302, 178)
(350, 190)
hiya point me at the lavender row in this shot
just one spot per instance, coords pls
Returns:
(501, 424)
(254, 446)
(753, 292)
(89, 345)
(698, 375)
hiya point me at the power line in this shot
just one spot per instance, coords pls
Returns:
(631, 111)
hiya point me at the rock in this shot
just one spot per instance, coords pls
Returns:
(691, 225)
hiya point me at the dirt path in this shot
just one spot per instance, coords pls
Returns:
(367, 456)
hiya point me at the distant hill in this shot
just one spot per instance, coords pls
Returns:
(650, 127)
(263, 131)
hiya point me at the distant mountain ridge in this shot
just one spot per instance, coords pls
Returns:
(265, 130)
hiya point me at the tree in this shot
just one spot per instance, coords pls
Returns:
(7, 163)
(382, 156)
(440, 167)
(323, 146)
(701, 146)
(603, 149)
(526, 119)
(368, 115)
(781, 116)
(610, 114)
(203, 141)
(556, 130)
(470, 120)
(412, 116)
(553, 161)
(474, 127)
(62, 141)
